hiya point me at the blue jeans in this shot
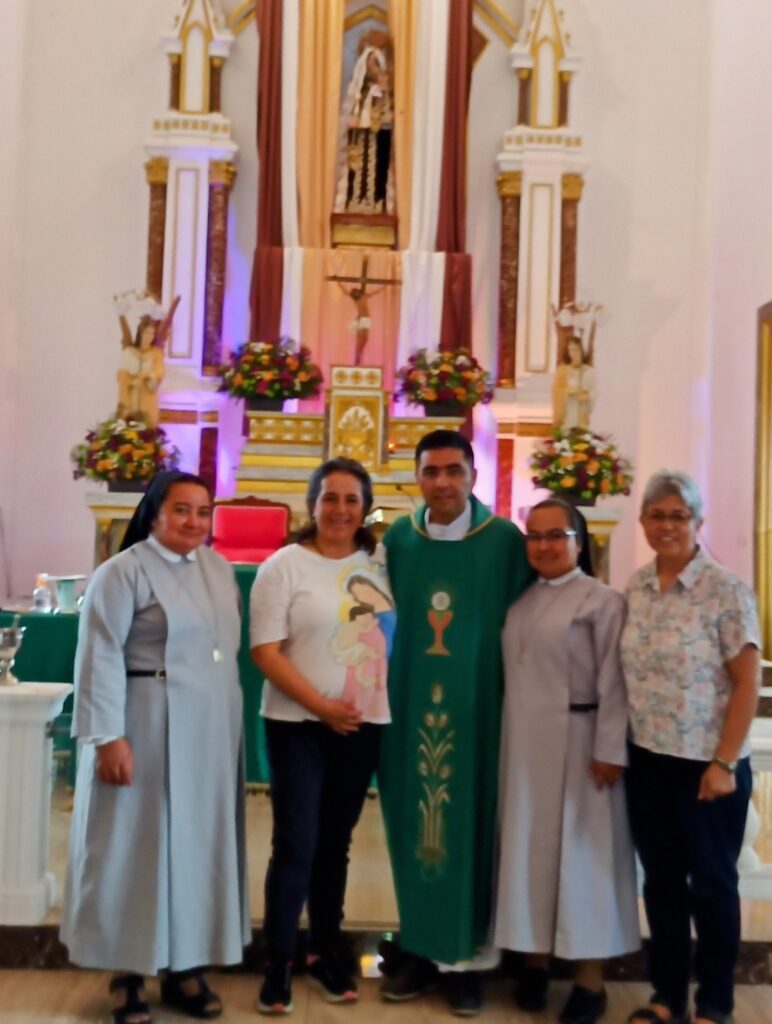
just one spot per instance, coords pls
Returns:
(319, 781)
(689, 850)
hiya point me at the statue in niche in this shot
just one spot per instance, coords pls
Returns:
(573, 387)
(142, 359)
(365, 180)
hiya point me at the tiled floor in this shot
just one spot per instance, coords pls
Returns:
(72, 997)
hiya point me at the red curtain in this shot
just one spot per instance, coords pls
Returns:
(268, 265)
(451, 227)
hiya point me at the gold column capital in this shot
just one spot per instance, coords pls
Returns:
(174, 58)
(572, 186)
(217, 62)
(222, 172)
(566, 76)
(157, 170)
(510, 183)
(523, 74)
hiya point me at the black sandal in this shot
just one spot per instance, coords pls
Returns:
(203, 1004)
(134, 1009)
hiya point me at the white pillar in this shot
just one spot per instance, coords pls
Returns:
(26, 751)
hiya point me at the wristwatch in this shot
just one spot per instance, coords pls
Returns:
(728, 766)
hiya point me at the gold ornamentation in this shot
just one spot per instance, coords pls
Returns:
(189, 416)
(355, 435)
(435, 751)
(157, 170)
(510, 183)
(572, 186)
(222, 172)
(284, 429)
(763, 496)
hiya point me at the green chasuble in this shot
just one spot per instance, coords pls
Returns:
(440, 761)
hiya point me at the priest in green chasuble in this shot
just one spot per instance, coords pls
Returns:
(455, 569)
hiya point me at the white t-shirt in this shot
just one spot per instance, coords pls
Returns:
(336, 619)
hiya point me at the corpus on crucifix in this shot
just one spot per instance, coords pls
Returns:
(360, 296)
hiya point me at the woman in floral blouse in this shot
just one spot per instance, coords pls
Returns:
(690, 651)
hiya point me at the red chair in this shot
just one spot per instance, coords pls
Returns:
(249, 529)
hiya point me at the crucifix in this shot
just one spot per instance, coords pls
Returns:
(360, 297)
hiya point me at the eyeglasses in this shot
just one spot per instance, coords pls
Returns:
(551, 536)
(679, 517)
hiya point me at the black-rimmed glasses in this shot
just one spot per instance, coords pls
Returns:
(551, 536)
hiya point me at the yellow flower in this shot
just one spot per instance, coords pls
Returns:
(568, 482)
(445, 368)
(130, 435)
(581, 446)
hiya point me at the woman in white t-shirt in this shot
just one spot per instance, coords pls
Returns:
(322, 619)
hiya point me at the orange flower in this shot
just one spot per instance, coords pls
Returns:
(303, 377)
(593, 467)
(605, 486)
(568, 482)
(566, 461)
(125, 449)
(429, 395)
(580, 457)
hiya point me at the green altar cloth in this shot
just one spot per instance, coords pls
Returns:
(47, 655)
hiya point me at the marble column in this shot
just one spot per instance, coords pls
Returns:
(26, 754)
(572, 185)
(510, 185)
(221, 176)
(157, 172)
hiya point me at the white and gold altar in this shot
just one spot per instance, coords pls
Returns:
(596, 152)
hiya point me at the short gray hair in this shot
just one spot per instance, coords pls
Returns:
(673, 481)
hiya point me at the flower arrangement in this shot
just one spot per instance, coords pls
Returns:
(444, 376)
(119, 449)
(271, 369)
(578, 463)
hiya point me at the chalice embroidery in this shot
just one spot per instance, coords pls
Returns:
(440, 618)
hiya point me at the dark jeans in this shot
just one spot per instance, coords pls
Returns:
(689, 850)
(319, 781)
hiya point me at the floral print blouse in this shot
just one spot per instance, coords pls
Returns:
(674, 652)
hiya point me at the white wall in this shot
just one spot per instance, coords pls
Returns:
(12, 65)
(641, 106)
(673, 236)
(741, 270)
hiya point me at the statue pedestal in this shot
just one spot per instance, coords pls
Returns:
(112, 512)
(26, 747)
(601, 521)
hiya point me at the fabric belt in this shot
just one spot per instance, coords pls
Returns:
(583, 708)
(138, 673)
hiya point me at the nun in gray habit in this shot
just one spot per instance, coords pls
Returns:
(566, 881)
(156, 878)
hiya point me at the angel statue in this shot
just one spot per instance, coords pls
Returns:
(367, 121)
(142, 360)
(573, 387)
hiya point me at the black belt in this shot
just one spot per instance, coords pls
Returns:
(138, 673)
(583, 708)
